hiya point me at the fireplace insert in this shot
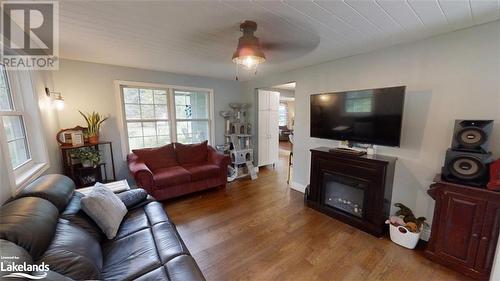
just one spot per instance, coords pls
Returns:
(344, 193)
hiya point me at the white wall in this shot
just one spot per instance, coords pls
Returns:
(90, 86)
(448, 77)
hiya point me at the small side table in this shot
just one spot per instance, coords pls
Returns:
(75, 170)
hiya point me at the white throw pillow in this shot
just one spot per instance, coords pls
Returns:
(105, 208)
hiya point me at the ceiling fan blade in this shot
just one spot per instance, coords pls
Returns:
(283, 46)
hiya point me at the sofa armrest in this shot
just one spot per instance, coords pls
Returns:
(217, 158)
(142, 174)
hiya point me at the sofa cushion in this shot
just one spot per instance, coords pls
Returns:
(158, 274)
(142, 218)
(130, 256)
(182, 268)
(105, 208)
(58, 189)
(77, 216)
(171, 176)
(191, 153)
(158, 157)
(202, 171)
(168, 241)
(73, 252)
(22, 217)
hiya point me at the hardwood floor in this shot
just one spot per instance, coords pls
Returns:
(261, 230)
(285, 145)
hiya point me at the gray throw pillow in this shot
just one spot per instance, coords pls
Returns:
(105, 208)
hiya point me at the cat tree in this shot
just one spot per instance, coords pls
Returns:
(238, 141)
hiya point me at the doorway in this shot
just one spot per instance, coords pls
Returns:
(276, 120)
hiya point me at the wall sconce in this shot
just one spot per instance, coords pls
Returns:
(57, 99)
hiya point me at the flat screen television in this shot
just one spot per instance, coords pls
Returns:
(371, 116)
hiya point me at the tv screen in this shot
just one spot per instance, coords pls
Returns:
(366, 116)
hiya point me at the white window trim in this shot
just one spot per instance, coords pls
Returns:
(122, 123)
(27, 100)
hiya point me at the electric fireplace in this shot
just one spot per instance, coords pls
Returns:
(354, 189)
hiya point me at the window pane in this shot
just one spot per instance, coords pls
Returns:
(14, 128)
(146, 96)
(163, 128)
(147, 111)
(132, 111)
(135, 143)
(131, 95)
(149, 128)
(5, 96)
(191, 105)
(161, 111)
(134, 129)
(150, 142)
(192, 131)
(160, 97)
(16, 140)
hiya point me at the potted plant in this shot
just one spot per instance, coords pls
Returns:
(90, 157)
(404, 227)
(94, 121)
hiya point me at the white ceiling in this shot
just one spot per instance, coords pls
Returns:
(199, 37)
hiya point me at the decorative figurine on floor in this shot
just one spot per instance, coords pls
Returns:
(238, 141)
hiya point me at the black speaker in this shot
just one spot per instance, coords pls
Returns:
(466, 167)
(472, 135)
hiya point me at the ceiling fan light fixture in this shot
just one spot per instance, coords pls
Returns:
(248, 53)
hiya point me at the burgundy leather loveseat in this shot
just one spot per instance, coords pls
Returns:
(177, 169)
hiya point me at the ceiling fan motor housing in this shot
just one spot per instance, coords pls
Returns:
(248, 44)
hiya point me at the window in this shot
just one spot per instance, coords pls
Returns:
(21, 135)
(146, 114)
(283, 114)
(155, 115)
(13, 124)
(192, 116)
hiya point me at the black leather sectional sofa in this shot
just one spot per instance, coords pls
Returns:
(45, 225)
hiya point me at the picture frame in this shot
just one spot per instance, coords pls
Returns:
(77, 138)
(65, 136)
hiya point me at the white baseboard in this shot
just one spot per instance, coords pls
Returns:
(299, 187)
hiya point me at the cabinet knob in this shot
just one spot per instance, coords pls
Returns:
(484, 238)
(475, 235)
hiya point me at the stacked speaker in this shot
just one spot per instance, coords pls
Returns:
(467, 160)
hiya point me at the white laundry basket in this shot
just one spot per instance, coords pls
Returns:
(402, 236)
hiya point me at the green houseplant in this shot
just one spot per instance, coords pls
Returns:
(90, 157)
(94, 121)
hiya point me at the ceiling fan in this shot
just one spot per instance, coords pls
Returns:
(250, 54)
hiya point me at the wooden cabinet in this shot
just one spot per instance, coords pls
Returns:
(464, 228)
(268, 128)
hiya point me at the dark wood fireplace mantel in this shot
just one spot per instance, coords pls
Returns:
(361, 184)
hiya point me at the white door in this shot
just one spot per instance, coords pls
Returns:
(274, 101)
(263, 138)
(263, 100)
(273, 131)
(268, 130)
